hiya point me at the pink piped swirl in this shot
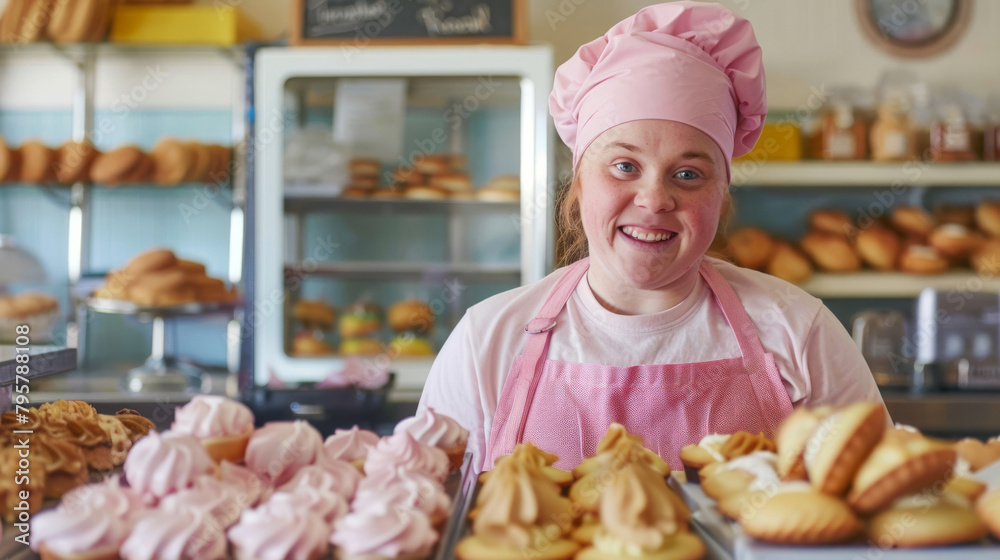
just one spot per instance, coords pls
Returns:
(160, 464)
(181, 534)
(248, 485)
(279, 533)
(210, 416)
(219, 501)
(340, 469)
(279, 449)
(437, 430)
(349, 445)
(402, 450)
(91, 518)
(314, 477)
(404, 488)
(386, 532)
(326, 505)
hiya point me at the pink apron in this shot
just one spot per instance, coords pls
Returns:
(565, 408)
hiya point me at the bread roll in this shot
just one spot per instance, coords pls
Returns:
(364, 167)
(789, 264)
(830, 252)
(426, 193)
(37, 161)
(432, 163)
(953, 241)
(493, 194)
(920, 259)
(171, 161)
(912, 221)
(985, 259)
(750, 247)
(150, 261)
(988, 217)
(201, 160)
(832, 221)
(878, 247)
(453, 182)
(10, 163)
(315, 313)
(955, 214)
(73, 161)
(118, 166)
(411, 315)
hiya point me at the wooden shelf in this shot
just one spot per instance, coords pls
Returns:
(872, 284)
(808, 174)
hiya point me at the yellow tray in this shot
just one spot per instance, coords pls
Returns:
(181, 25)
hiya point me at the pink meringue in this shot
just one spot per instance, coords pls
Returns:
(436, 430)
(407, 489)
(219, 501)
(181, 534)
(325, 504)
(279, 533)
(91, 519)
(402, 450)
(350, 445)
(210, 416)
(159, 464)
(248, 485)
(315, 477)
(386, 532)
(279, 449)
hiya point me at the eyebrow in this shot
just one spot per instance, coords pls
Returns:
(626, 145)
(699, 155)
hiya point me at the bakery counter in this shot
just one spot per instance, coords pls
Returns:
(948, 415)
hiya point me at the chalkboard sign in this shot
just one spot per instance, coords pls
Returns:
(407, 22)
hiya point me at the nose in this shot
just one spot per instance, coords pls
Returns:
(654, 195)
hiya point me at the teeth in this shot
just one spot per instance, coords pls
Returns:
(648, 237)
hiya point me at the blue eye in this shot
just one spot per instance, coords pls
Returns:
(687, 174)
(625, 167)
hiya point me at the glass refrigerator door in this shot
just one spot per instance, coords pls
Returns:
(395, 188)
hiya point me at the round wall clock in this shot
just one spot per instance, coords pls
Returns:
(914, 28)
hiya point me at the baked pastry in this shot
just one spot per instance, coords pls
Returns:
(297, 442)
(432, 163)
(988, 508)
(585, 493)
(136, 425)
(897, 467)
(832, 221)
(968, 488)
(64, 463)
(718, 448)
(306, 345)
(797, 516)
(402, 449)
(355, 192)
(222, 425)
(351, 445)
(919, 259)
(124, 164)
(160, 464)
(953, 241)
(365, 167)
(924, 520)
(31, 482)
(279, 530)
(406, 489)
(878, 247)
(977, 454)
(360, 347)
(73, 161)
(832, 253)
(171, 161)
(184, 534)
(495, 194)
(452, 182)
(426, 192)
(962, 215)
(584, 534)
(839, 445)
(789, 264)
(360, 320)
(411, 315)
(37, 161)
(149, 261)
(10, 163)
(384, 532)
(619, 445)
(120, 440)
(988, 217)
(748, 472)
(201, 160)
(750, 247)
(985, 259)
(437, 430)
(527, 454)
(912, 221)
(77, 422)
(410, 346)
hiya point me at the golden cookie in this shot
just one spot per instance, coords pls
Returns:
(801, 518)
(120, 440)
(977, 453)
(898, 467)
(926, 520)
(136, 425)
(37, 162)
(476, 548)
(680, 546)
(726, 483)
(744, 443)
(791, 438)
(65, 465)
(841, 443)
(968, 488)
(73, 161)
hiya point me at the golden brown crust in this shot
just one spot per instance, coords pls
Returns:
(171, 161)
(201, 161)
(365, 167)
(411, 315)
(940, 524)
(830, 252)
(789, 264)
(306, 346)
(64, 463)
(985, 259)
(977, 453)
(10, 486)
(791, 439)
(878, 247)
(832, 221)
(841, 443)
(73, 161)
(724, 483)
(744, 443)
(988, 217)
(955, 214)
(988, 509)
(120, 440)
(750, 247)
(680, 546)
(801, 518)
(136, 425)
(475, 548)
(966, 487)
(10, 163)
(912, 221)
(117, 166)
(920, 259)
(954, 241)
(896, 468)
(314, 313)
(37, 161)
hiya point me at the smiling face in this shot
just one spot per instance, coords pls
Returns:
(650, 200)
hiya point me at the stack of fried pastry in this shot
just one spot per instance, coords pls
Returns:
(618, 506)
(157, 278)
(67, 439)
(839, 473)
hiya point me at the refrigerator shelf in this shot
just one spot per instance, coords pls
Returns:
(397, 271)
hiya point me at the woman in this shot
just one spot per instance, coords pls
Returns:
(647, 331)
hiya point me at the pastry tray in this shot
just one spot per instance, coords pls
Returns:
(122, 307)
(721, 533)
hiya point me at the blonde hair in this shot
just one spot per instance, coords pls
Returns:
(571, 242)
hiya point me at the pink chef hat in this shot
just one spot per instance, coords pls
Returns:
(690, 62)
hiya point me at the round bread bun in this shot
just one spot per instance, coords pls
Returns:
(458, 162)
(73, 161)
(985, 259)
(171, 161)
(222, 158)
(314, 313)
(365, 167)
(955, 214)
(830, 252)
(920, 259)
(912, 221)
(150, 261)
(360, 320)
(407, 175)
(988, 217)
(453, 182)
(879, 247)
(432, 164)
(201, 161)
(507, 182)
(954, 241)
(409, 347)
(191, 267)
(411, 315)
(832, 221)
(36, 162)
(309, 346)
(387, 193)
(492, 194)
(142, 173)
(10, 163)
(750, 247)
(355, 192)
(789, 264)
(426, 193)
(116, 166)
(360, 347)
(367, 182)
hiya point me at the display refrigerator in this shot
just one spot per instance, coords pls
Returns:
(385, 175)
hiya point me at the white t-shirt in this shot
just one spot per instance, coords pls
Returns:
(818, 361)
